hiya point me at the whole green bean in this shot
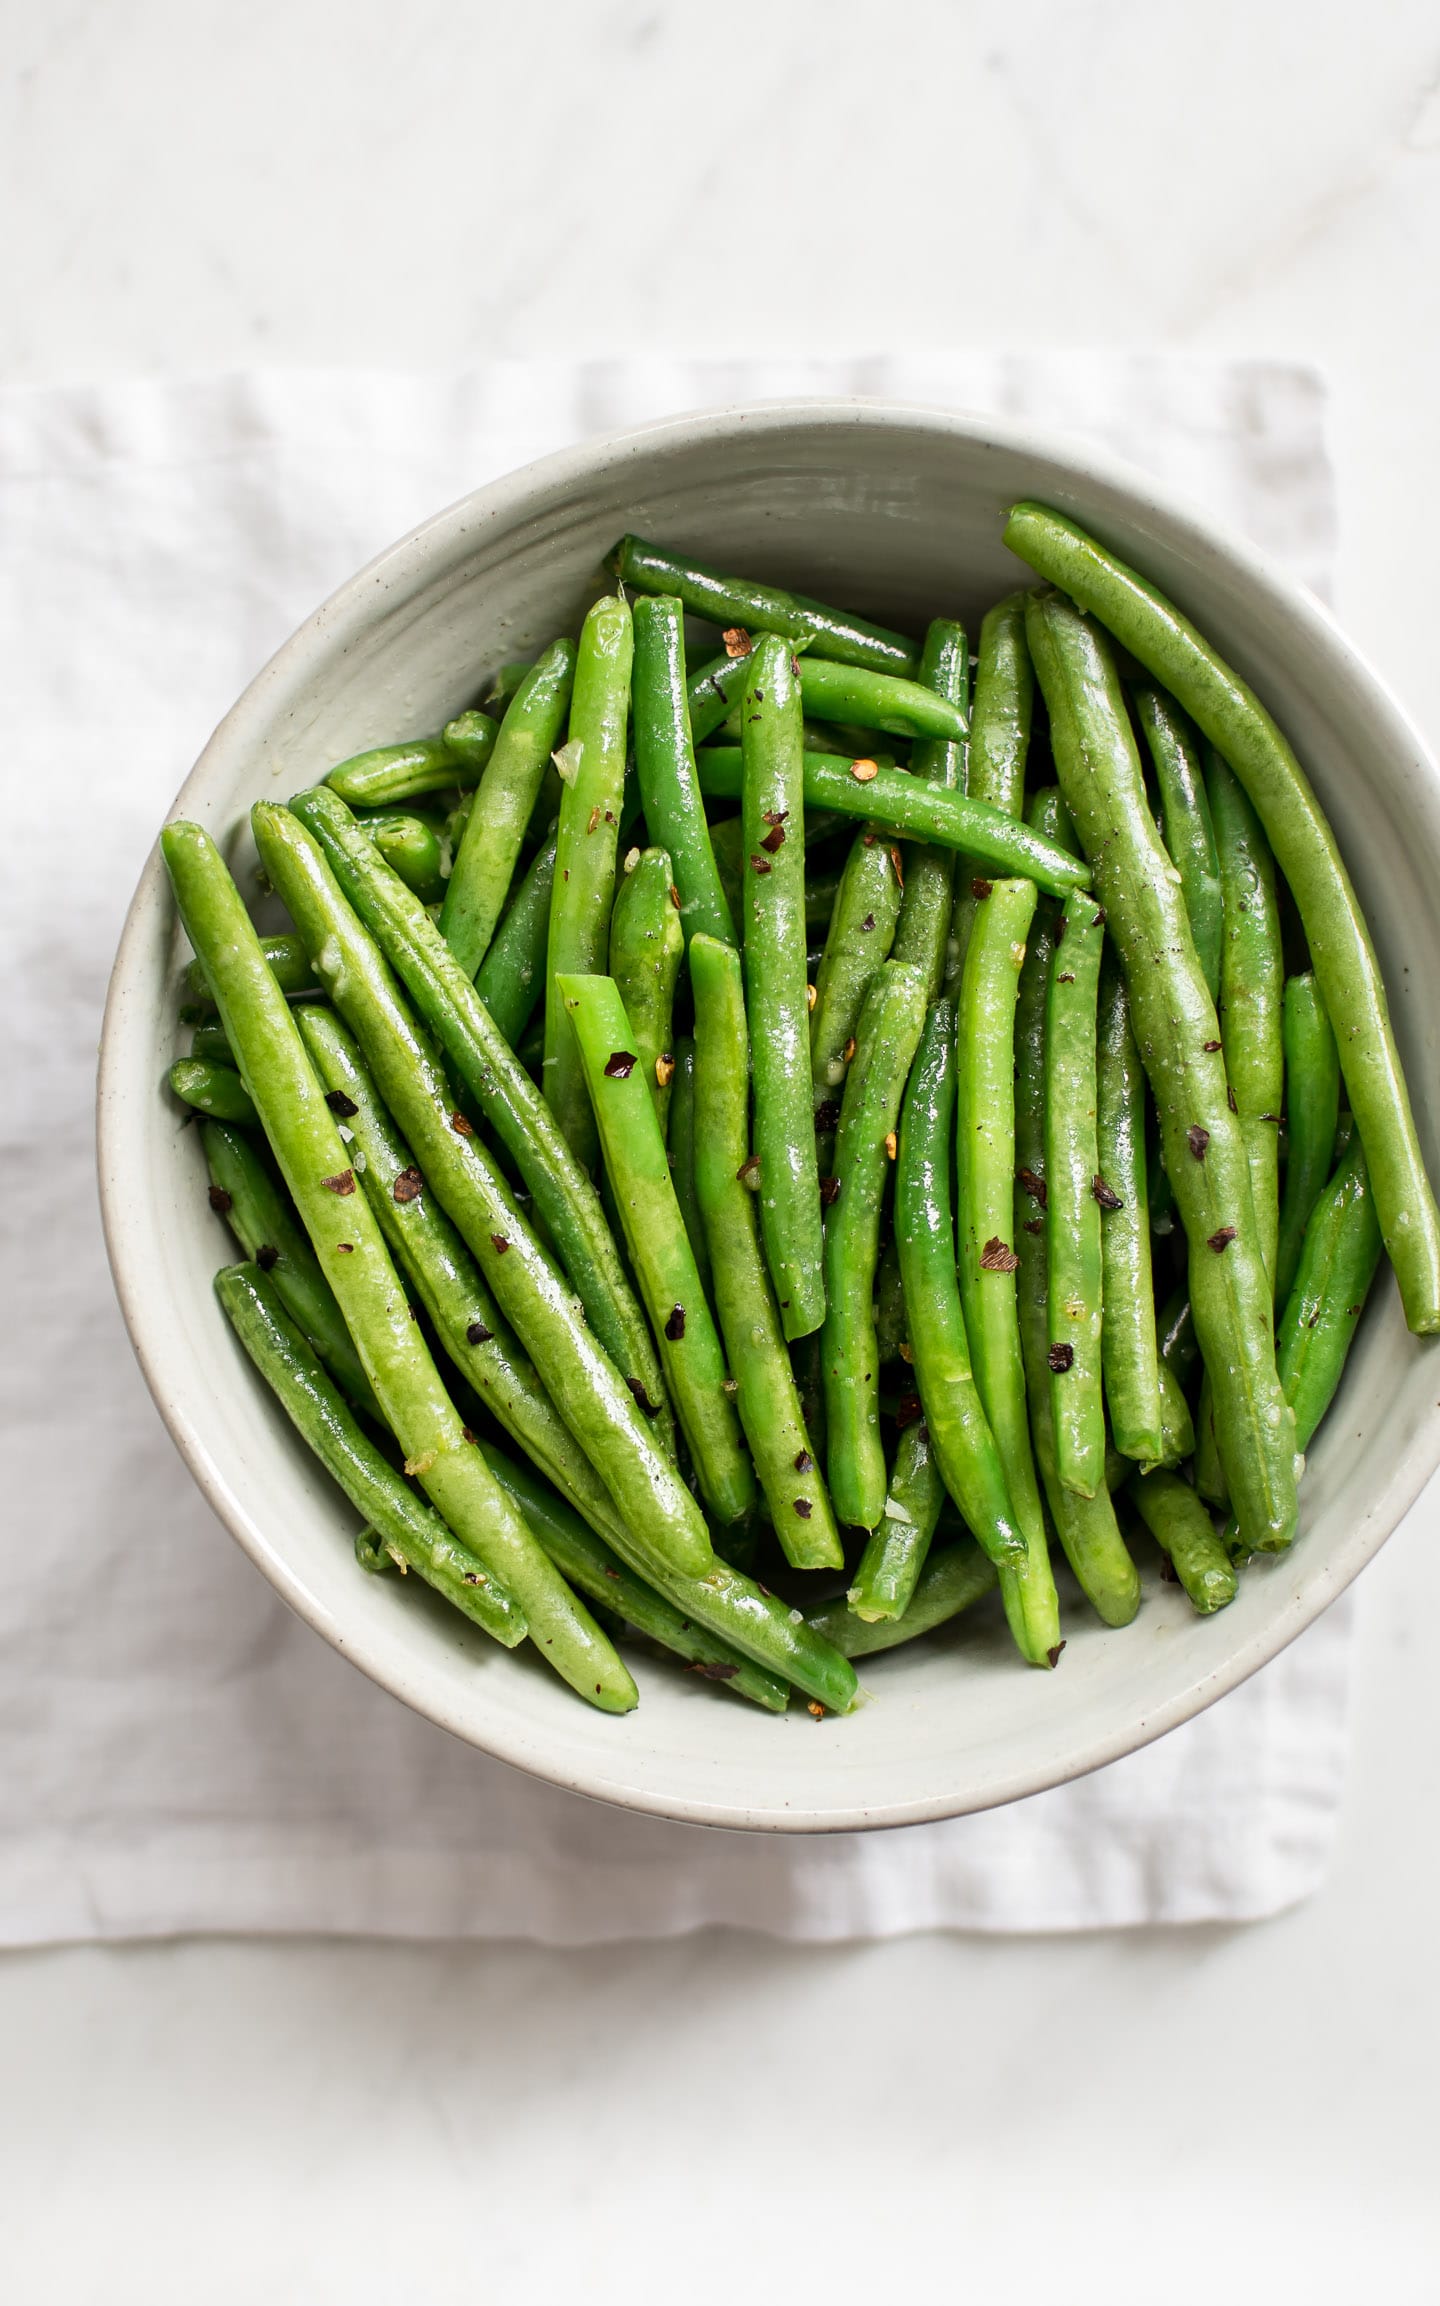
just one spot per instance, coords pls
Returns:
(903, 805)
(691, 1354)
(857, 946)
(999, 746)
(766, 1394)
(1178, 1036)
(738, 602)
(961, 1438)
(1182, 1528)
(412, 848)
(987, 1262)
(952, 1579)
(1185, 822)
(1312, 1109)
(1337, 1265)
(923, 929)
(647, 946)
(486, 860)
(1072, 1174)
(684, 1151)
(584, 889)
(1252, 990)
(1130, 1351)
(596, 1400)
(1235, 721)
(313, 1160)
(389, 774)
(214, 1089)
(486, 1069)
(773, 816)
(511, 978)
(869, 700)
(247, 1197)
(895, 1554)
(665, 764)
(286, 957)
(886, 1038)
(210, 1044)
(413, 1532)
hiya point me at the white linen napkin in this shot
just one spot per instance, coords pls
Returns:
(178, 1753)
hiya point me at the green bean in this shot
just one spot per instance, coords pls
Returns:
(1177, 1033)
(286, 957)
(985, 1172)
(961, 1438)
(487, 857)
(412, 848)
(486, 1069)
(895, 1555)
(210, 1044)
(600, 1406)
(1177, 1430)
(690, 1351)
(246, 1196)
(1086, 1526)
(1234, 720)
(902, 708)
(902, 805)
(511, 978)
(861, 933)
(952, 1579)
(470, 737)
(647, 946)
(892, 1328)
(1185, 822)
(886, 1038)
(584, 887)
(214, 1089)
(738, 602)
(766, 1394)
(774, 908)
(586, 1561)
(1129, 1347)
(665, 764)
(713, 691)
(1072, 1174)
(684, 1151)
(312, 1157)
(999, 744)
(1312, 1109)
(1208, 1472)
(390, 774)
(1337, 1265)
(922, 932)
(1252, 987)
(412, 1533)
(1181, 1527)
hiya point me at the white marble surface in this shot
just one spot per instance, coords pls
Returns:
(1128, 2119)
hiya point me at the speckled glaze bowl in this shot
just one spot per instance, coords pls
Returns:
(898, 512)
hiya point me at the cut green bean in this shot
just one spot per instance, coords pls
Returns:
(1182, 1528)
(869, 700)
(774, 909)
(886, 1037)
(953, 1579)
(486, 860)
(857, 945)
(1130, 1350)
(285, 956)
(1252, 989)
(511, 978)
(216, 1090)
(412, 1532)
(412, 848)
(647, 946)
(1312, 1109)
(665, 765)
(1074, 1260)
(739, 602)
(923, 930)
(1185, 822)
(391, 774)
(766, 1394)
(895, 1555)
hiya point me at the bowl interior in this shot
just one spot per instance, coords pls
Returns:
(898, 513)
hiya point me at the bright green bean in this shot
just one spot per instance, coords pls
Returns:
(895, 1555)
(952, 1579)
(511, 978)
(1312, 1110)
(683, 1157)
(288, 961)
(1129, 1347)
(923, 929)
(1182, 1528)
(1185, 822)
(1252, 990)
(665, 764)
(486, 860)
(739, 602)
(902, 708)
(1337, 1265)
(390, 774)
(1072, 1174)
(213, 1089)
(857, 946)
(999, 746)
(713, 692)
(647, 945)
(412, 847)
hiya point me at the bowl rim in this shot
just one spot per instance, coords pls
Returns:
(411, 564)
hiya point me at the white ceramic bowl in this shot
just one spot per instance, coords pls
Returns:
(897, 512)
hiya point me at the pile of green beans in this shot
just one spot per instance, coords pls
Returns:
(837, 1157)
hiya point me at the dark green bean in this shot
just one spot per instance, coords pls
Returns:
(1129, 1347)
(1312, 1109)
(1337, 1265)
(1185, 822)
(214, 1089)
(288, 961)
(665, 764)
(1182, 1528)
(739, 602)
(923, 929)
(487, 857)
(952, 1579)
(647, 946)
(1072, 1175)
(1252, 988)
(895, 1555)
(511, 978)
(861, 932)
(210, 1044)
(870, 700)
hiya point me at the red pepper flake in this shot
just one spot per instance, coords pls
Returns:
(981, 888)
(613, 1573)
(904, 1350)
(342, 1183)
(461, 1126)
(1221, 1241)
(804, 1508)
(339, 1103)
(594, 818)
(499, 1244)
(1098, 918)
(651, 1408)
(267, 1256)
(748, 1173)
(1061, 1357)
(220, 1200)
(467, 1435)
(714, 1671)
(907, 1410)
(803, 1461)
(1034, 1225)
(1105, 1194)
(1230, 1094)
(675, 1326)
(898, 862)
(1210, 1047)
(620, 1064)
(865, 772)
(795, 666)
(761, 864)
(868, 840)
(773, 816)
(1066, 977)
(829, 1191)
(1053, 1655)
(408, 1186)
(674, 896)
(344, 1248)
(737, 641)
(774, 839)
(868, 923)
(478, 1334)
(815, 1708)
(1034, 1186)
(997, 1256)
(759, 696)
(478, 1577)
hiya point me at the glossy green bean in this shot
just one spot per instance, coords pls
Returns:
(216, 1090)
(1185, 821)
(486, 860)
(1130, 1351)
(1235, 721)
(999, 745)
(665, 765)
(1182, 1528)
(886, 1037)
(868, 700)
(923, 929)
(511, 978)
(1177, 1033)
(953, 1579)
(1312, 1109)
(691, 1354)
(1074, 1260)
(773, 816)
(683, 1156)
(1252, 990)
(584, 888)
(313, 1160)
(647, 946)
(388, 775)
(412, 1532)
(962, 1441)
(285, 956)
(892, 1561)
(412, 848)
(766, 1394)
(1337, 1265)
(857, 946)
(739, 602)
